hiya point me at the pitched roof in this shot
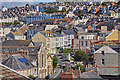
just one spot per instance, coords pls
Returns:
(50, 27)
(18, 62)
(107, 49)
(15, 33)
(16, 43)
(37, 43)
(43, 33)
(23, 29)
(57, 34)
(80, 29)
(90, 74)
(110, 25)
(8, 73)
(15, 49)
(69, 32)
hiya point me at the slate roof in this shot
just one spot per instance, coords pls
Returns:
(15, 34)
(68, 32)
(114, 47)
(7, 73)
(7, 25)
(23, 29)
(57, 34)
(110, 25)
(17, 49)
(33, 50)
(97, 47)
(32, 28)
(43, 33)
(107, 33)
(63, 24)
(79, 29)
(90, 74)
(37, 43)
(48, 20)
(16, 43)
(18, 63)
(31, 57)
(19, 25)
(84, 76)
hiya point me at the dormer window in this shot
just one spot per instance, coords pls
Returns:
(102, 52)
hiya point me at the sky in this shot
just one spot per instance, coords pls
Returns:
(13, 3)
(27, 0)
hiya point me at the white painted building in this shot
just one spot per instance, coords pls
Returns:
(50, 27)
(4, 9)
(4, 31)
(9, 19)
(67, 38)
(88, 36)
(54, 43)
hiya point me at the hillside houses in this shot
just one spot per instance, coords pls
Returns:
(37, 42)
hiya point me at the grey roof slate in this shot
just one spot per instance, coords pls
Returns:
(84, 76)
(17, 62)
(43, 32)
(37, 43)
(32, 50)
(110, 25)
(90, 75)
(114, 47)
(16, 43)
(57, 34)
(69, 32)
(13, 74)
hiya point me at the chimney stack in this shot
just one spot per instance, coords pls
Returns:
(80, 72)
(31, 36)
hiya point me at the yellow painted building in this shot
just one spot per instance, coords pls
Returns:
(113, 36)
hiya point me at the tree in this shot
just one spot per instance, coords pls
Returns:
(32, 77)
(80, 13)
(62, 10)
(67, 50)
(41, 3)
(55, 62)
(80, 56)
(51, 10)
(118, 3)
(82, 68)
(27, 5)
(16, 22)
(67, 2)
